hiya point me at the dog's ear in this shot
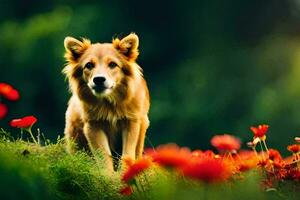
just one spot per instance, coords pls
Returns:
(128, 46)
(75, 48)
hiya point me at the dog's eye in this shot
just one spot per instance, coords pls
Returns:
(89, 65)
(112, 65)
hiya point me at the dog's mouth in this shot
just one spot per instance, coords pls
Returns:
(99, 89)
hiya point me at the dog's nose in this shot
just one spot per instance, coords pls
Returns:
(99, 80)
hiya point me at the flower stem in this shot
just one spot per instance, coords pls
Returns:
(21, 134)
(30, 132)
(265, 144)
(263, 153)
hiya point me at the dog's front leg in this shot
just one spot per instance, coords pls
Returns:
(130, 136)
(98, 140)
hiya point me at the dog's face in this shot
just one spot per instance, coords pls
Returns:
(101, 66)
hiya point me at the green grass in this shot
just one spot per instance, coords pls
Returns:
(30, 171)
(48, 172)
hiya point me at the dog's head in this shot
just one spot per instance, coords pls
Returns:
(100, 66)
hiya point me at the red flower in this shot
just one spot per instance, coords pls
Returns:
(9, 92)
(246, 166)
(279, 164)
(25, 122)
(209, 154)
(260, 131)
(207, 170)
(246, 160)
(225, 142)
(197, 153)
(204, 154)
(3, 110)
(274, 155)
(135, 168)
(294, 174)
(126, 191)
(263, 163)
(297, 139)
(295, 148)
(170, 155)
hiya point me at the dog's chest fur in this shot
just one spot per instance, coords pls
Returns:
(111, 117)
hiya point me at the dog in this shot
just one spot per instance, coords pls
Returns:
(110, 97)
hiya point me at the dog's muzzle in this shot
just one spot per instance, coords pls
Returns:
(100, 84)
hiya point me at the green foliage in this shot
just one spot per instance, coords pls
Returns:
(35, 172)
(18, 180)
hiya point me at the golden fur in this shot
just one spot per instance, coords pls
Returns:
(96, 118)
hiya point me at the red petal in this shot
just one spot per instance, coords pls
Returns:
(136, 168)
(9, 92)
(225, 142)
(207, 170)
(3, 110)
(24, 122)
(254, 129)
(13, 95)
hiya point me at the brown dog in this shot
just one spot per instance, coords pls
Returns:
(109, 96)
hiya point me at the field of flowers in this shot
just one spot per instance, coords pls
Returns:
(35, 168)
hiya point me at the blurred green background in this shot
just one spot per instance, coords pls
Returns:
(212, 67)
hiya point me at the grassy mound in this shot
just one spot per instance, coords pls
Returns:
(30, 171)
